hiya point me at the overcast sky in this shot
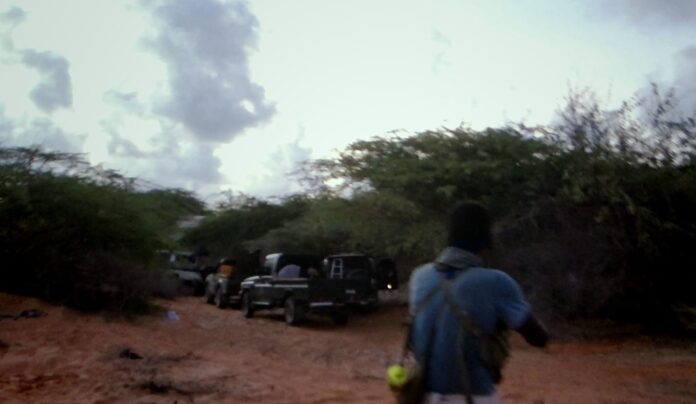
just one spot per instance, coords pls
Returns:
(212, 95)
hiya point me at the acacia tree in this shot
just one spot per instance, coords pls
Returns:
(595, 210)
(72, 231)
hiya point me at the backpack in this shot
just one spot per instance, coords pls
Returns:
(494, 349)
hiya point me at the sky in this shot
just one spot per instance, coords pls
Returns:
(213, 95)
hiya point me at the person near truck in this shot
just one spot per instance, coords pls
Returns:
(226, 267)
(290, 271)
(457, 282)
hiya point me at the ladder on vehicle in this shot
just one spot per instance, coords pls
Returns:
(336, 269)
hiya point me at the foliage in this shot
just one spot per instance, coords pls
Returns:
(595, 211)
(80, 234)
(502, 167)
(373, 223)
(165, 207)
(226, 231)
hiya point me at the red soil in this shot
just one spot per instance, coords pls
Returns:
(210, 355)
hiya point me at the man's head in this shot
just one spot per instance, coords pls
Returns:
(469, 227)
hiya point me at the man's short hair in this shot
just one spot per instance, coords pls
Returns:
(469, 227)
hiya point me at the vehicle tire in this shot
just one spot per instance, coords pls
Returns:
(340, 317)
(294, 311)
(247, 305)
(209, 296)
(220, 299)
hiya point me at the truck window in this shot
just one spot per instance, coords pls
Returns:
(267, 267)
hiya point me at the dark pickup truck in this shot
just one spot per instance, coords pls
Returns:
(307, 287)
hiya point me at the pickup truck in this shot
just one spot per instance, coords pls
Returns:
(309, 289)
(373, 276)
(184, 266)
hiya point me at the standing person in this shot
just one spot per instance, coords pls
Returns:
(226, 267)
(290, 271)
(458, 305)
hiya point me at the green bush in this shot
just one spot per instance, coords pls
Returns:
(78, 234)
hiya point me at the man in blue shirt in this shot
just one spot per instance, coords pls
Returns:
(458, 283)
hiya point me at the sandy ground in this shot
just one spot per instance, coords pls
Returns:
(209, 355)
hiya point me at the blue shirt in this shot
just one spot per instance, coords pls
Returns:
(492, 299)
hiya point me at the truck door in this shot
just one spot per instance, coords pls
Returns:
(263, 287)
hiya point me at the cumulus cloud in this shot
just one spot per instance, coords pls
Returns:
(205, 45)
(14, 15)
(666, 15)
(54, 89)
(121, 147)
(281, 164)
(38, 132)
(6, 126)
(195, 162)
(167, 133)
(685, 78)
(654, 13)
(191, 165)
(8, 20)
(125, 101)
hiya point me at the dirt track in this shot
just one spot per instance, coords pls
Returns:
(218, 356)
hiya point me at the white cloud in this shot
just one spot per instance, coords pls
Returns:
(14, 15)
(54, 89)
(178, 91)
(668, 17)
(265, 168)
(685, 79)
(205, 44)
(652, 13)
(38, 132)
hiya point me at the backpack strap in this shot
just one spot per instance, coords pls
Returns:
(469, 326)
(444, 285)
(409, 332)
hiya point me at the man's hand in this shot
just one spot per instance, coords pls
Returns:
(534, 332)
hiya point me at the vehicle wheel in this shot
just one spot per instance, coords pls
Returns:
(247, 306)
(340, 317)
(209, 297)
(220, 299)
(294, 312)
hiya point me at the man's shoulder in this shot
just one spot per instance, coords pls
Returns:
(423, 270)
(502, 276)
(489, 276)
(497, 281)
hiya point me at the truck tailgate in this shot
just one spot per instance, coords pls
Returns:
(337, 290)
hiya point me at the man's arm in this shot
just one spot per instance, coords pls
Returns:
(534, 332)
(516, 312)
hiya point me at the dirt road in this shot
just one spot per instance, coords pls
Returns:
(209, 355)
